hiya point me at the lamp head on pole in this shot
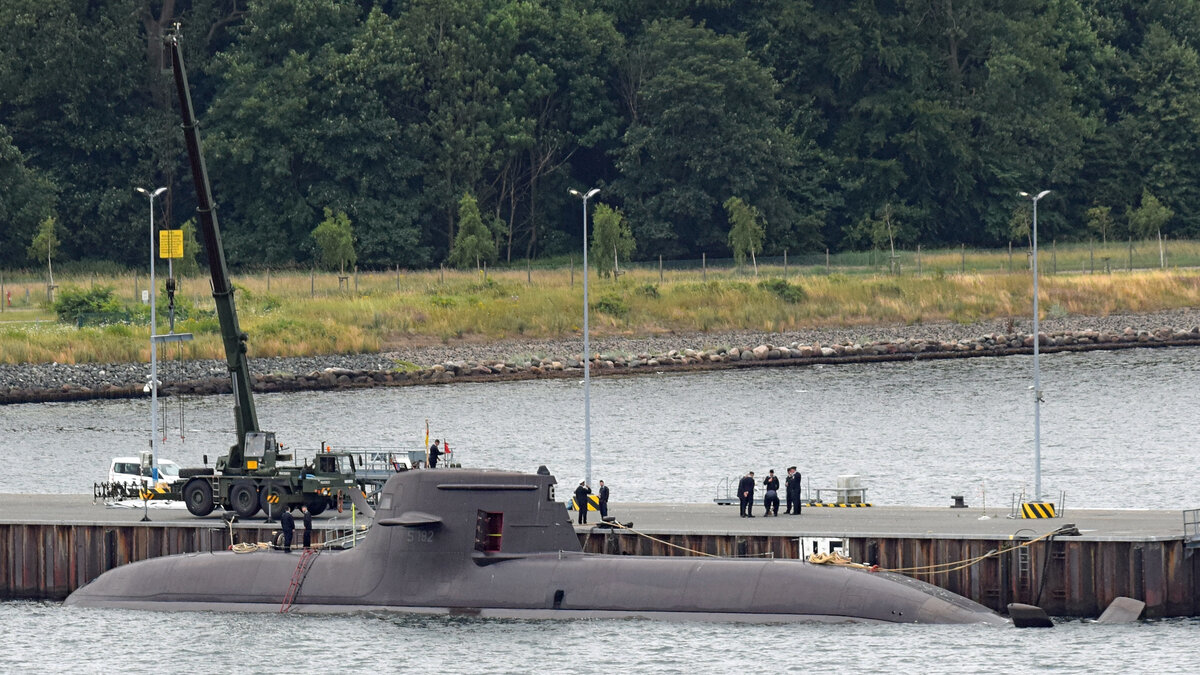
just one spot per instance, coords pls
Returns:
(591, 193)
(1041, 194)
(149, 194)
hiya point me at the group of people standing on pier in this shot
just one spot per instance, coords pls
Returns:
(288, 524)
(746, 487)
(583, 497)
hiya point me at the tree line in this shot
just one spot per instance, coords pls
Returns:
(708, 125)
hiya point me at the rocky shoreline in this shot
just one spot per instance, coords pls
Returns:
(512, 360)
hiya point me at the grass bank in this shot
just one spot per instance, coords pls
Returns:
(298, 313)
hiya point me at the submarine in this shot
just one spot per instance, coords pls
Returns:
(493, 543)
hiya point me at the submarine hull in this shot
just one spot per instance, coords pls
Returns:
(495, 544)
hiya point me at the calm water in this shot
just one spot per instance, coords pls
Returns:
(1116, 427)
(47, 637)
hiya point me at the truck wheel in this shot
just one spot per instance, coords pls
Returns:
(274, 510)
(316, 504)
(198, 497)
(243, 496)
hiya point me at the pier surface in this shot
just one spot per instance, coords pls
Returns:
(52, 544)
(680, 519)
(892, 521)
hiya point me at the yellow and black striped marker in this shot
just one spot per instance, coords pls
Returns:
(593, 503)
(841, 506)
(1037, 510)
(149, 493)
(272, 497)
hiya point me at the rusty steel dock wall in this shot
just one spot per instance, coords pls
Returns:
(1066, 576)
(48, 561)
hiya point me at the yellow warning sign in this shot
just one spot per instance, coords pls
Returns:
(593, 503)
(1037, 510)
(170, 243)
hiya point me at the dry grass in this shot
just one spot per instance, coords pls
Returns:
(291, 314)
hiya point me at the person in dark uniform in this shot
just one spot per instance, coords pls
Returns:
(288, 523)
(771, 498)
(307, 526)
(435, 451)
(603, 505)
(746, 495)
(581, 501)
(793, 491)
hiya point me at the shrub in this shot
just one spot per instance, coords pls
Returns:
(491, 286)
(402, 366)
(647, 290)
(611, 303)
(76, 303)
(784, 290)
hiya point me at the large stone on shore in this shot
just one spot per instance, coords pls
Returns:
(761, 352)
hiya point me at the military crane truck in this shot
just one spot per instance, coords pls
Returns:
(252, 475)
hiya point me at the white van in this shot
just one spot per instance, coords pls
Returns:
(129, 470)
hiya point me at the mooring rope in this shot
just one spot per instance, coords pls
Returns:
(843, 561)
(955, 566)
(662, 541)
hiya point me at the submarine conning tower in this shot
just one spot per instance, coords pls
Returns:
(486, 514)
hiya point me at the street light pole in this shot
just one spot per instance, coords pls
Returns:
(1037, 381)
(587, 356)
(153, 347)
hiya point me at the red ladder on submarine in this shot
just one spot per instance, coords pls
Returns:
(306, 560)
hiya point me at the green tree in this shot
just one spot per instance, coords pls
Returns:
(703, 123)
(612, 240)
(1148, 219)
(189, 264)
(26, 198)
(745, 232)
(300, 123)
(45, 245)
(1099, 220)
(1020, 224)
(75, 96)
(335, 241)
(473, 243)
(1158, 104)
